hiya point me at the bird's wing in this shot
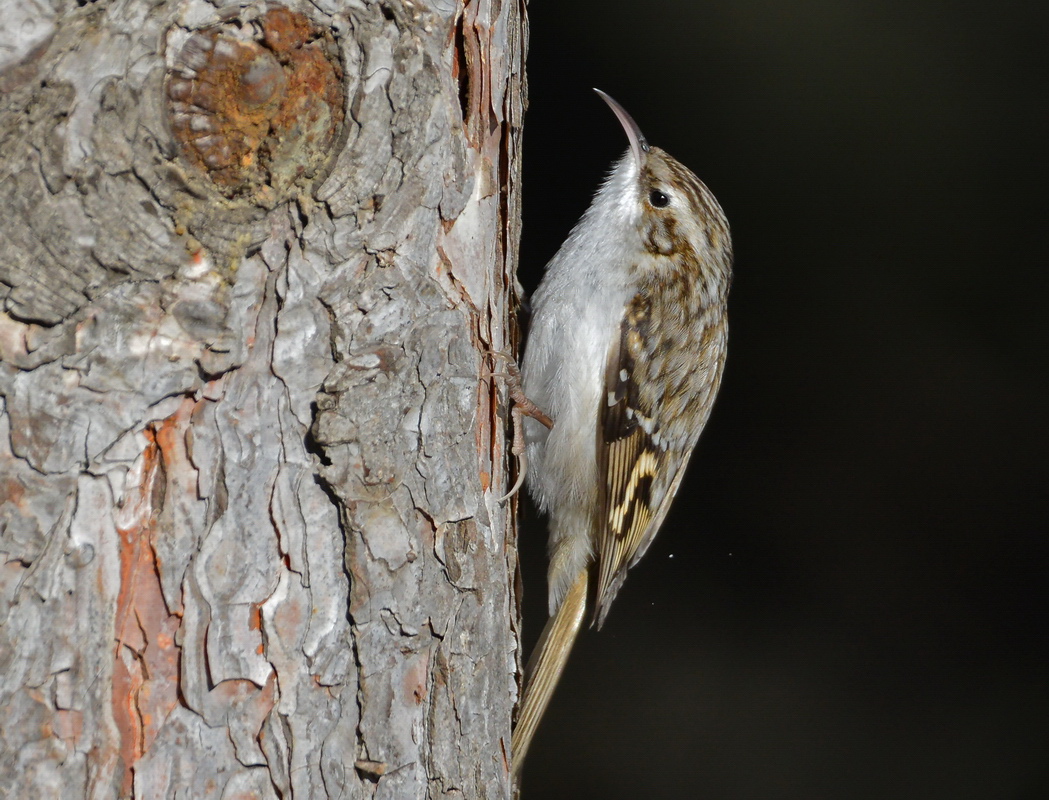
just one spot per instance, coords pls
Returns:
(630, 462)
(639, 464)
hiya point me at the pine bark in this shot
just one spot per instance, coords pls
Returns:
(253, 265)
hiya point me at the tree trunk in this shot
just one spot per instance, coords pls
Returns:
(252, 265)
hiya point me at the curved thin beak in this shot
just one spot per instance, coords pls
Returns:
(638, 143)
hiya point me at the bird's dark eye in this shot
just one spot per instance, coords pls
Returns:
(658, 199)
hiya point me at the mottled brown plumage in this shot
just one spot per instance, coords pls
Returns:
(625, 353)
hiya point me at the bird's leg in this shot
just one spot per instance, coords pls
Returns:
(515, 387)
(521, 406)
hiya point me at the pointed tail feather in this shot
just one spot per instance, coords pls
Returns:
(546, 665)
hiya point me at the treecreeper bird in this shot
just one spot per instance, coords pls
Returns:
(625, 354)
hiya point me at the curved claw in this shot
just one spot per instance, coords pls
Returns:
(518, 484)
(519, 450)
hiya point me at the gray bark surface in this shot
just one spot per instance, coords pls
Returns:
(250, 455)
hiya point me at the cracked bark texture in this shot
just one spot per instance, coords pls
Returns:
(253, 262)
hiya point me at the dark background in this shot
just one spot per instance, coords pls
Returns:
(849, 597)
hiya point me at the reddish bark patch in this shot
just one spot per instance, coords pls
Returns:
(146, 668)
(416, 679)
(257, 106)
